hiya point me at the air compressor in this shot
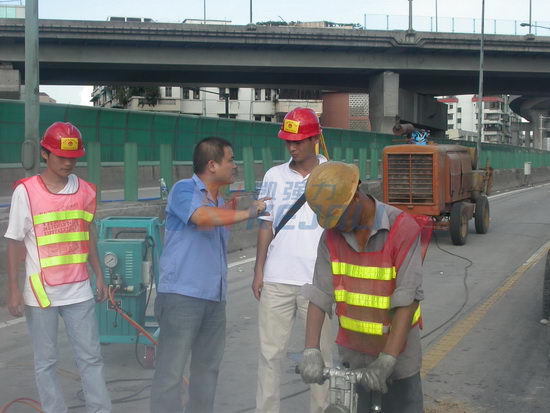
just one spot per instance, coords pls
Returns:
(129, 250)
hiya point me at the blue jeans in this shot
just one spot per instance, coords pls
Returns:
(81, 326)
(403, 396)
(188, 326)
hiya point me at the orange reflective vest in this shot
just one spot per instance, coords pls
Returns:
(62, 229)
(364, 283)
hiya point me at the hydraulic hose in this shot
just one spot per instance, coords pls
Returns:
(23, 400)
(36, 405)
(127, 317)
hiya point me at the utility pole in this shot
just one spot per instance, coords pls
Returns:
(530, 9)
(226, 97)
(436, 16)
(480, 94)
(410, 15)
(250, 11)
(30, 151)
(204, 11)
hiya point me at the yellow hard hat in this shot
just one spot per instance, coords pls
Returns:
(329, 190)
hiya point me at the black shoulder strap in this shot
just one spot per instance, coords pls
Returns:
(290, 213)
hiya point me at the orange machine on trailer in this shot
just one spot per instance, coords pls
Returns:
(439, 181)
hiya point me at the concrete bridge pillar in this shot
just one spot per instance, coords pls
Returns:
(10, 82)
(540, 123)
(386, 100)
(383, 101)
(525, 131)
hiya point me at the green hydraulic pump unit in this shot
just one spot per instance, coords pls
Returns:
(129, 250)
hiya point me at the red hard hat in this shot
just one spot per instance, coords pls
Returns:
(300, 124)
(63, 139)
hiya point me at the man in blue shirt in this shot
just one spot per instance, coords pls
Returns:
(190, 304)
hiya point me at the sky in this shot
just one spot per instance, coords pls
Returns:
(238, 11)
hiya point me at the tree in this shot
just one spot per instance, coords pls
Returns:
(150, 95)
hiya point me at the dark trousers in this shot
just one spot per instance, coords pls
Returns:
(188, 327)
(404, 396)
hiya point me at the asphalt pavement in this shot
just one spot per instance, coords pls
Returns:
(485, 350)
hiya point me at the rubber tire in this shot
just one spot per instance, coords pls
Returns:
(459, 224)
(482, 215)
(546, 289)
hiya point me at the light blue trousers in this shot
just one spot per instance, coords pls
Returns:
(81, 327)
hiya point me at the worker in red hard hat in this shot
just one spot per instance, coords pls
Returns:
(285, 259)
(50, 221)
(300, 124)
(63, 139)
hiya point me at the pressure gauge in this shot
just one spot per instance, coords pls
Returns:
(110, 259)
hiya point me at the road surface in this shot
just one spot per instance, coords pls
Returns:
(491, 357)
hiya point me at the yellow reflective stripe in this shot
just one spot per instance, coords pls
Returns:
(362, 300)
(39, 292)
(365, 327)
(417, 315)
(359, 271)
(368, 327)
(62, 215)
(65, 237)
(63, 259)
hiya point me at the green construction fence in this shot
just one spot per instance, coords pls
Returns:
(134, 138)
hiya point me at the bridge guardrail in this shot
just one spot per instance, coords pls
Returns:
(452, 24)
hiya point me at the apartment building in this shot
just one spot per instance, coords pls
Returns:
(259, 104)
(500, 124)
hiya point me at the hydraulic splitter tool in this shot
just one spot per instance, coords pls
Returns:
(343, 395)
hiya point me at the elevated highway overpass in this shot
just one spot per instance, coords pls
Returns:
(400, 70)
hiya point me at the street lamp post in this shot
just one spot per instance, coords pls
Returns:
(30, 150)
(436, 15)
(410, 15)
(204, 11)
(480, 93)
(530, 14)
(533, 25)
(250, 11)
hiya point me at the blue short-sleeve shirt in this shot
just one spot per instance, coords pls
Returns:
(194, 259)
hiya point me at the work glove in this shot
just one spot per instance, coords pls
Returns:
(312, 365)
(376, 374)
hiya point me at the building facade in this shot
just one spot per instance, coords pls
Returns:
(257, 104)
(346, 111)
(12, 11)
(500, 123)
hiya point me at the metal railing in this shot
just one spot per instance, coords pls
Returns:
(453, 24)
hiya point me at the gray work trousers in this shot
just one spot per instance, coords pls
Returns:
(188, 327)
(403, 396)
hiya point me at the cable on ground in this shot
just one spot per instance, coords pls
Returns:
(466, 288)
(22, 400)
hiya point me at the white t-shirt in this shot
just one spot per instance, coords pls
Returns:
(292, 253)
(20, 228)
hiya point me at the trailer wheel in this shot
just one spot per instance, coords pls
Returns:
(482, 218)
(459, 224)
(546, 289)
